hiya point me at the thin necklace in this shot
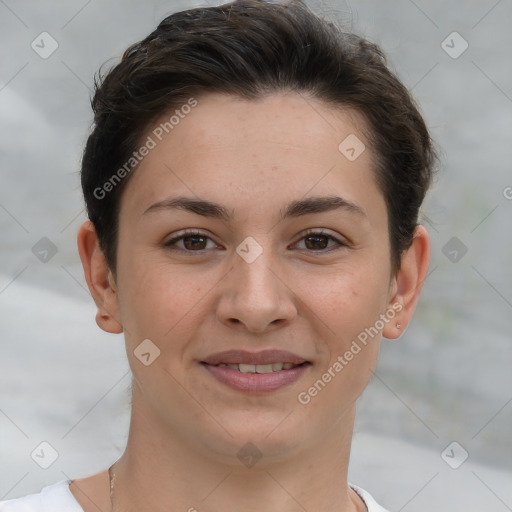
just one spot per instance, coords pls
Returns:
(112, 477)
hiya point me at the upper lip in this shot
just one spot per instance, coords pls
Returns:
(244, 357)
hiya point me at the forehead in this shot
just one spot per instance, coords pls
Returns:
(293, 119)
(282, 145)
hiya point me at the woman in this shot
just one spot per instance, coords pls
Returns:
(253, 182)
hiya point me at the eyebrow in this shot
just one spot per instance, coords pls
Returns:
(294, 209)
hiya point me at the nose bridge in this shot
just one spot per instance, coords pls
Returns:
(252, 268)
(255, 294)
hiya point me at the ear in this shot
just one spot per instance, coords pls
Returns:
(100, 279)
(408, 282)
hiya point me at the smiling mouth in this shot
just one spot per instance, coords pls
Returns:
(260, 368)
(248, 377)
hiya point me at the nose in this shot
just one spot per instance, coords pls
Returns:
(256, 296)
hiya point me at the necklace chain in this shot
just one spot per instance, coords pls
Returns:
(112, 478)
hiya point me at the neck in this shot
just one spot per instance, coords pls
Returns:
(160, 471)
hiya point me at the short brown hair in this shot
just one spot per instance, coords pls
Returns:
(250, 48)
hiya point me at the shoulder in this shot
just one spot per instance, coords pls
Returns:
(55, 498)
(368, 499)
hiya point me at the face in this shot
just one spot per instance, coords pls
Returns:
(290, 253)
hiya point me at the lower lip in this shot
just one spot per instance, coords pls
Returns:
(257, 382)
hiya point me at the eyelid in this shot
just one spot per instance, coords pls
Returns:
(186, 233)
(340, 241)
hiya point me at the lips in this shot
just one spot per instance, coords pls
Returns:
(259, 368)
(264, 357)
(259, 372)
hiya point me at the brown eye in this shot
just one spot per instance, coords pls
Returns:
(194, 242)
(316, 242)
(190, 242)
(319, 242)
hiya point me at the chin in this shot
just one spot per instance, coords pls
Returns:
(270, 438)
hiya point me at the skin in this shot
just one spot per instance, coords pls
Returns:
(252, 157)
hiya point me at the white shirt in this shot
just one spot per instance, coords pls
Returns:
(59, 498)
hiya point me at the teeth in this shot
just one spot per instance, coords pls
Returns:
(259, 368)
(247, 368)
(263, 368)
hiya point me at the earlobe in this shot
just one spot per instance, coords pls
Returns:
(99, 279)
(408, 283)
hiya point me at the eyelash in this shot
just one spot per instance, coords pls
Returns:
(170, 243)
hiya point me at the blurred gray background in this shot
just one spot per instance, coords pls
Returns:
(447, 380)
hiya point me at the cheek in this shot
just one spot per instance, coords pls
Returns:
(348, 298)
(157, 306)
(350, 304)
(348, 307)
(162, 302)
